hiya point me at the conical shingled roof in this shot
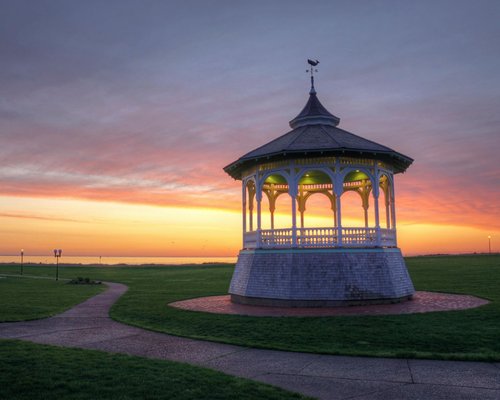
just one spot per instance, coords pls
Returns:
(314, 111)
(315, 134)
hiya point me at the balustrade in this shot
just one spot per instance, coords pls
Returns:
(320, 238)
(276, 238)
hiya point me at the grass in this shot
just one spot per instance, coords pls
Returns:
(32, 371)
(23, 298)
(461, 335)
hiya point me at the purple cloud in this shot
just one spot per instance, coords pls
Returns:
(137, 102)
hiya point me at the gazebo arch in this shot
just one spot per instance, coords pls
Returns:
(386, 184)
(274, 185)
(360, 181)
(310, 182)
(352, 209)
(249, 195)
(328, 197)
(282, 215)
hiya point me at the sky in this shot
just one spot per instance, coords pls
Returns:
(117, 117)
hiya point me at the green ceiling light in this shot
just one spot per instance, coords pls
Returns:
(356, 175)
(276, 179)
(314, 178)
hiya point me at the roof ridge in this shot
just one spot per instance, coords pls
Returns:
(274, 140)
(329, 135)
(367, 140)
(303, 128)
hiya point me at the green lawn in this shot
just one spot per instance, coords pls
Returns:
(467, 335)
(31, 371)
(23, 298)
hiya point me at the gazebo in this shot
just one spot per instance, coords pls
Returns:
(310, 266)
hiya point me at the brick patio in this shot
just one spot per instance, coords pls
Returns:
(422, 302)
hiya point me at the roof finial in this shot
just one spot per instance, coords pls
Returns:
(311, 69)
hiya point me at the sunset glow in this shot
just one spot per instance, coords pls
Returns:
(115, 126)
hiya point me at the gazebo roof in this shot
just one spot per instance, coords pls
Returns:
(314, 112)
(315, 134)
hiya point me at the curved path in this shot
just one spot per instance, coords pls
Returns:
(88, 326)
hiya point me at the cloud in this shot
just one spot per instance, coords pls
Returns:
(39, 217)
(146, 104)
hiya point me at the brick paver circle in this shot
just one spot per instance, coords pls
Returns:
(422, 302)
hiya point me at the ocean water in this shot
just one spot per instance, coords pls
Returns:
(96, 260)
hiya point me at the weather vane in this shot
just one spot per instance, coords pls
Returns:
(312, 70)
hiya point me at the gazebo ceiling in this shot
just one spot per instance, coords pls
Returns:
(356, 176)
(276, 179)
(314, 178)
(315, 134)
(317, 178)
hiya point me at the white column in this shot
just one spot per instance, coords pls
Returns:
(377, 220)
(393, 207)
(333, 207)
(244, 206)
(272, 204)
(293, 191)
(258, 197)
(294, 220)
(387, 201)
(250, 214)
(365, 201)
(302, 205)
(387, 213)
(393, 211)
(334, 210)
(338, 189)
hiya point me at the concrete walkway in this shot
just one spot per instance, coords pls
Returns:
(88, 326)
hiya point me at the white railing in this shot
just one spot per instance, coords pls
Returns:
(319, 238)
(276, 238)
(359, 237)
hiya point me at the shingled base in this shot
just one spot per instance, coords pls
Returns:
(320, 278)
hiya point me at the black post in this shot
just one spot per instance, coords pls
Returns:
(22, 260)
(57, 255)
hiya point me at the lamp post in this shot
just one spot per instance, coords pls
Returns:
(22, 260)
(57, 255)
(489, 244)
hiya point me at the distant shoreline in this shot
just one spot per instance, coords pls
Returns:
(47, 259)
(195, 261)
(34, 264)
